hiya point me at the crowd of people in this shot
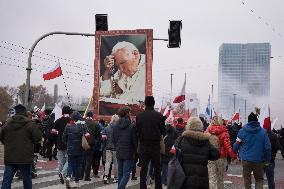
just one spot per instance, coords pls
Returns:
(83, 146)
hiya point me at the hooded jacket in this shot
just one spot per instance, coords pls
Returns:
(73, 137)
(196, 150)
(19, 136)
(109, 133)
(124, 139)
(224, 140)
(253, 143)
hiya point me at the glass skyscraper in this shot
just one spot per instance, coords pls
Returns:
(244, 78)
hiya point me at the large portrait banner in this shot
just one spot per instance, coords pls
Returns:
(123, 71)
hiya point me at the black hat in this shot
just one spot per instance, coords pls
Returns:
(252, 117)
(20, 109)
(90, 114)
(76, 116)
(66, 110)
(149, 101)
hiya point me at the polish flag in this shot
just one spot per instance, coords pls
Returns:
(53, 73)
(167, 111)
(181, 96)
(170, 118)
(264, 115)
(236, 117)
(43, 111)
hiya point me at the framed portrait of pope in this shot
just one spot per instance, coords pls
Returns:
(123, 71)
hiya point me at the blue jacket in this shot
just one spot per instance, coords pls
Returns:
(255, 145)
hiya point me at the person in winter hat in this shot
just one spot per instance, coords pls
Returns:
(124, 141)
(57, 131)
(196, 150)
(275, 146)
(221, 140)
(72, 136)
(169, 140)
(254, 150)
(110, 150)
(19, 135)
(180, 126)
(94, 131)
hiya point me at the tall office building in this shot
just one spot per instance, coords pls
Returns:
(244, 77)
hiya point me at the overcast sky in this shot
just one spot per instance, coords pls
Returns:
(206, 25)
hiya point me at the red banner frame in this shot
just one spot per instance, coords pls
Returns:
(149, 60)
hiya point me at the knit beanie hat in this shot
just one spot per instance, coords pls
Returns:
(66, 110)
(252, 117)
(90, 114)
(194, 124)
(20, 109)
(76, 116)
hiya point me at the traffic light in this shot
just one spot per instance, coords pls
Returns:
(174, 34)
(101, 22)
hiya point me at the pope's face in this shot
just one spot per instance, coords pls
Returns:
(127, 62)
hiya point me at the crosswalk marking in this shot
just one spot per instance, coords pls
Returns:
(49, 179)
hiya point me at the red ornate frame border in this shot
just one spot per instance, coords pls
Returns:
(149, 60)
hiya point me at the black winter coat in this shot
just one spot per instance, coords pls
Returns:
(275, 145)
(19, 135)
(169, 141)
(196, 150)
(73, 138)
(124, 139)
(60, 125)
(150, 126)
(233, 132)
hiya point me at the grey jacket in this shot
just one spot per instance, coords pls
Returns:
(109, 133)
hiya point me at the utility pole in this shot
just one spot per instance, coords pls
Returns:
(235, 103)
(27, 102)
(212, 101)
(171, 87)
(245, 111)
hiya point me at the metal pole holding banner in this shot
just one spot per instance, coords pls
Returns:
(88, 106)
(29, 68)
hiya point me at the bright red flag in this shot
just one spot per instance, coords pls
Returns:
(55, 72)
(236, 117)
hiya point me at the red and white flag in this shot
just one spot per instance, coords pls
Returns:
(43, 111)
(181, 96)
(264, 115)
(167, 111)
(53, 73)
(236, 117)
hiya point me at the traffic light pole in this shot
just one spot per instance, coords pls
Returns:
(27, 102)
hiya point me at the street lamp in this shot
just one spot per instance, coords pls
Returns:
(234, 103)
(29, 68)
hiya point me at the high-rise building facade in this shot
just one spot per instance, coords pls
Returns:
(243, 78)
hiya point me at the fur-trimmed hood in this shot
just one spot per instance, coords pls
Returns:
(197, 135)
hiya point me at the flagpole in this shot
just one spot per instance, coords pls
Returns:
(185, 93)
(269, 113)
(245, 112)
(212, 99)
(87, 108)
